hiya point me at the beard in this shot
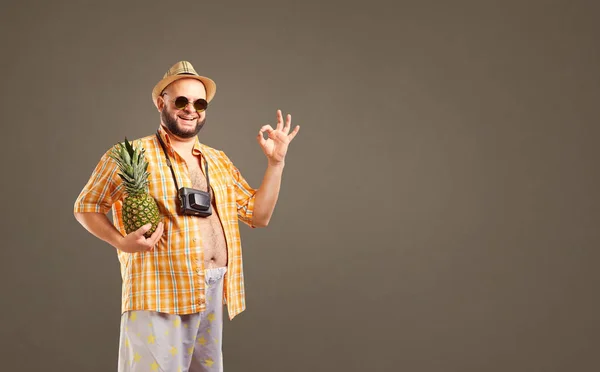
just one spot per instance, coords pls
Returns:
(170, 120)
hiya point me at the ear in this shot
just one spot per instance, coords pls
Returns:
(160, 103)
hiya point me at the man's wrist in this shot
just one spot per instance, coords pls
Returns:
(117, 241)
(276, 165)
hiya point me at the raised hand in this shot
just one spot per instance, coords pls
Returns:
(276, 145)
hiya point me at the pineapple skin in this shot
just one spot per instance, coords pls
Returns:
(138, 210)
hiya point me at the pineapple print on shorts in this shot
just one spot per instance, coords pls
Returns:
(139, 207)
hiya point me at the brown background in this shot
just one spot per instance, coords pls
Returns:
(439, 209)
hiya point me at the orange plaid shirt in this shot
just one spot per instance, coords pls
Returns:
(170, 278)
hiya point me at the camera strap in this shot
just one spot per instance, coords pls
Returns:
(162, 144)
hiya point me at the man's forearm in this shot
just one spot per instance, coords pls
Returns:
(266, 195)
(100, 226)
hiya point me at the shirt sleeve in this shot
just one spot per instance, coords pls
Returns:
(103, 188)
(244, 195)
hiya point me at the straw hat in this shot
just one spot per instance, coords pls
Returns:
(182, 70)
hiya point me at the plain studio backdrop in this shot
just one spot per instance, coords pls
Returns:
(439, 208)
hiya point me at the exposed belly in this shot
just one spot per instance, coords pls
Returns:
(214, 245)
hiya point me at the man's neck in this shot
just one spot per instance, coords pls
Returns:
(183, 146)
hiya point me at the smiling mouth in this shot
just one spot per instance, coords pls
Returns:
(187, 119)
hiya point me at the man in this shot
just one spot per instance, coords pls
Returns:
(176, 281)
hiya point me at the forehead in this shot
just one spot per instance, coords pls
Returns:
(190, 88)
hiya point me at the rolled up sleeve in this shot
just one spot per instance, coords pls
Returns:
(245, 196)
(103, 188)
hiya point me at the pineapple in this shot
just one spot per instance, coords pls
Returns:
(139, 208)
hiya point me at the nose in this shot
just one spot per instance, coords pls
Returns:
(189, 108)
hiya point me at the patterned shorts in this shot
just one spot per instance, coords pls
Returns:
(152, 341)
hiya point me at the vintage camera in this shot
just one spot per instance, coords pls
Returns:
(194, 202)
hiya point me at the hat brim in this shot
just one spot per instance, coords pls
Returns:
(209, 84)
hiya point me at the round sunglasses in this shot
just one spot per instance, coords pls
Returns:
(182, 102)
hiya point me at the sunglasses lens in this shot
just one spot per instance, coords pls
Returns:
(200, 105)
(181, 102)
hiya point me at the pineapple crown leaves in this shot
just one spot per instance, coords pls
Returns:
(133, 167)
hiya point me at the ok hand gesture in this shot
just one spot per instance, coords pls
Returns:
(276, 145)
